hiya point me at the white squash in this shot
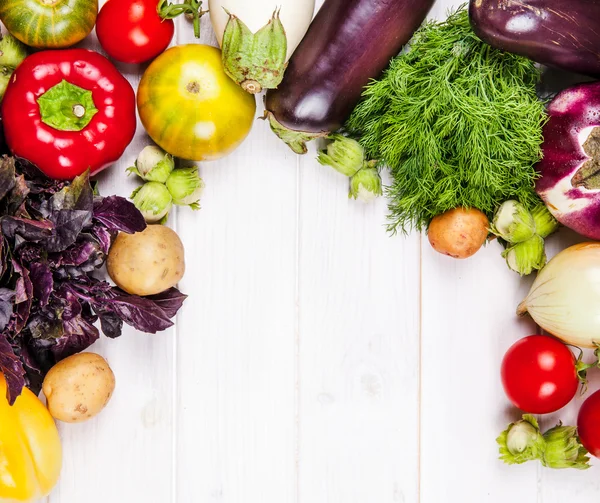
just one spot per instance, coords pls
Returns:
(295, 17)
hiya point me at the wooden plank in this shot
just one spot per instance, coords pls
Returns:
(468, 322)
(235, 355)
(358, 347)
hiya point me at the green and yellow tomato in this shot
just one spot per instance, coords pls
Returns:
(49, 24)
(190, 107)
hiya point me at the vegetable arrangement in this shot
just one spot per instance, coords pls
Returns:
(348, 43)
(474, 155)
(450, 137)
(55, 236)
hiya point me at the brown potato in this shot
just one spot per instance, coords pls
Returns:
(148, 262)
(78, 387)
(458, 233)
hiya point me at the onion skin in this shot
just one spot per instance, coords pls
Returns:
(565, 297)
(559, 33)
(572, 116)
(348, 43)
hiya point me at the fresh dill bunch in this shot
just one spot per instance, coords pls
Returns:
(457, 122)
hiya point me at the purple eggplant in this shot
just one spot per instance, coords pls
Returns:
(349, 43)
(560, 33)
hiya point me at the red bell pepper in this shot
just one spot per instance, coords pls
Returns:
(68, 111)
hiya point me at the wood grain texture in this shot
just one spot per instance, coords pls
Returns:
(358, 348)
(236, 340)
(317, 359)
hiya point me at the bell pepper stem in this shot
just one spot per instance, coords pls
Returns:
(67, 107)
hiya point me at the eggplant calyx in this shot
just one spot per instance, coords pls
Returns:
(588, 175)
(296, 140)
(256, 61)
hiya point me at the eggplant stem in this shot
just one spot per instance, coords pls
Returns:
(296, 140)
(251, 86)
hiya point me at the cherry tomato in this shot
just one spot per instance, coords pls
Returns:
(539, 375)
(588, 424)
(131, 31)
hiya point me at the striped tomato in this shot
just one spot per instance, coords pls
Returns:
(49, 24)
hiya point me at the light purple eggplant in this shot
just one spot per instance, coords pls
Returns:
(570, 170)
(560, 33)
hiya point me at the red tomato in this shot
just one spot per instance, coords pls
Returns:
(588, 424)
(131, 31)
(539, 375)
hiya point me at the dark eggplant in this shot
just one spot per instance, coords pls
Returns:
(349, 43)
(559, 33)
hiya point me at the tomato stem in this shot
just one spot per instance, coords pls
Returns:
(191, 8)
(581, 367)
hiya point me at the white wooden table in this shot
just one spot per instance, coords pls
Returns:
(317, 359)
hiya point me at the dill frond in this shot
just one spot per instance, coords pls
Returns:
(457, 122)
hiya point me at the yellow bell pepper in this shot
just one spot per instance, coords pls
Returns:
(30, 449)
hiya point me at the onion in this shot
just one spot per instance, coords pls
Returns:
(565, 297)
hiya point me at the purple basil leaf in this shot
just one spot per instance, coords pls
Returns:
(118, 214)
(23, 296)
(30, 230)
(3, 256)
(34, 377)
(139, 312)
(46, 328)
(104, 236)
(76, 196)
(6, 306)
(169, 301)
(111, 324)
(42, 280)
(87, 249)
(12, 368)
(79, 335)
(34, 174)
(7, 175)
(15, 202)
(68, 225)
(70, 210)
(6, 294)
(67, 303)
